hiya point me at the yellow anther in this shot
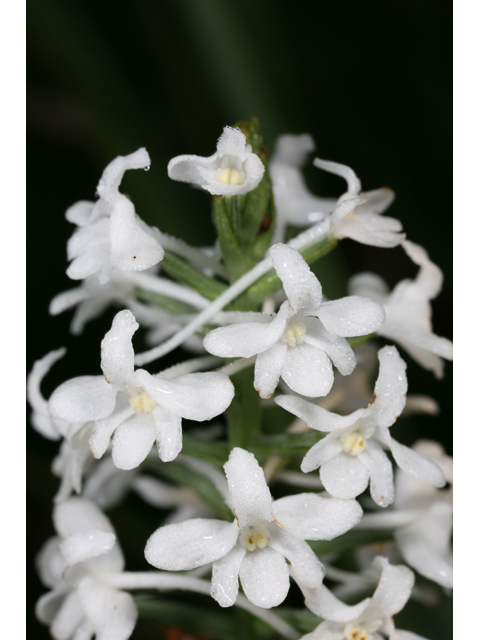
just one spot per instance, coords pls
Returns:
(354, 444)
(294, 334)
(141, 402)
(254, 537)
(357, 633)
(230, 175)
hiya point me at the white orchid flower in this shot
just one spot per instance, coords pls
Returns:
(352, 455)
(232, 170)
(139, 407)
(422, 518)
(371, 619)
(256, 545)
(77, 565)
(408, 311)
(294, 204)
(365, 223)
(110, 234)
(300, 342)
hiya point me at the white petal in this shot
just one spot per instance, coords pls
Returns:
(420, 554)
(48, 605)
(317, 417)
(368, 285)
(313, 517)
(417, 465)
(246, 339)
(305, 568)
(308, 370)
(393, 590)
(380, 469)
(379, 200)
(109, 183)
(77, 515)
(40, 369)
(68, 618)
(112, 613)
(195, 396)
(326, 631)
(323, 602)
(117, 349)
(80, 546)
(168, 430)
(399, 634)
(251, 498)
(50, 563)
(389, 397)
(352, 316)
(82, 399)
(341, 170)
(186, 545)
(302, 287)
(268, 367)
(264, 577)
(336, 347)
(80, 212)
(133, 441)
(430, 277)
(132, 243)
(225, 576)
(320, 453)
(344, 476)
(103, 429)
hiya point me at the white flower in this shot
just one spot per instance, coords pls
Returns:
(370, 619)
(422, 519)
(77, 566)
(365, 223)
(351, 456)
(41, 419)
(139, 407)
(232, 170)
(109, 233)
(257, 543)
(408, 310)
(294, 204)
(304, 337)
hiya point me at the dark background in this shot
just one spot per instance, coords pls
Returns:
(371, 81)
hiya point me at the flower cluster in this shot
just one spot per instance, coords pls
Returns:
(242, 504)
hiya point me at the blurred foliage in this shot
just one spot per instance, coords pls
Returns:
(371, 81)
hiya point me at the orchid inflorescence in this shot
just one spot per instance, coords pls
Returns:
(266, 341)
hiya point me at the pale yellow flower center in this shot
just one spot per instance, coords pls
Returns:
(254, 537)
(357, 633)
(231, 171)
(354, 443)
(294, 334)
(141, 402)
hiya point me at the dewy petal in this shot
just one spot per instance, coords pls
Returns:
(305, 568)
(420, 554)
(344, 476)
(317, 417)
(302, 287)
(82, 399)
(132, 243)
(133, 441)
(368, 285)
(390, 392)
(203, 171)
(308, 370)
(112, 176)
(264, 577)
(320, 453)
(186, 545)
(326, 605)
(352, 316)
(77, 515)
(112, 613)
(417, 465)
(353, 183)
(393, 590)
(246, 339)
(168, 433)
(326, 631)
(251, 498)
(102, 429)
(195, 396)
(225, 576)
(380, 469)
(336, 347)
(268, 368)
(81, 546)
(40, 369)
(430, 277)
(313, 517)
(117, 349)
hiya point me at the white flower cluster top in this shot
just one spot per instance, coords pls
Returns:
(298, 343)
